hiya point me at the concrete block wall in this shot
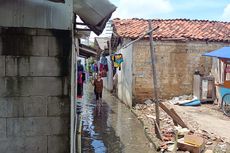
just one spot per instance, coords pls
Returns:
(176, 63)
(34, 99)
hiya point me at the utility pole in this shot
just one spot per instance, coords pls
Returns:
(110, 78)
(153, 59)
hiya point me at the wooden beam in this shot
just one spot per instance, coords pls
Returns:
(182, 122)
(154, 73)
(173, 115)
(175, 123)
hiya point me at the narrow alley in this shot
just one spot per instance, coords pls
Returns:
(111, 129)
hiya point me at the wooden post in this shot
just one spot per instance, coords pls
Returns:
(153, 59)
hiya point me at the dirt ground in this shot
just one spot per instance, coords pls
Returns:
(206, 121)
(208, 117)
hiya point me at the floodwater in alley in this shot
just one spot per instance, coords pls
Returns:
(112, 129)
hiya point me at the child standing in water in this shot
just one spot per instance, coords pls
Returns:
(98, 87)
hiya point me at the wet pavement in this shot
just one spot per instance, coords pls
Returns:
(111, 128)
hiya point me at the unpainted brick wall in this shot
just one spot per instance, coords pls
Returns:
(34, 100)
(176, 63)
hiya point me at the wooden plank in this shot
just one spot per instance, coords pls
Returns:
(173, 115)
(175, 123)
(174, 112)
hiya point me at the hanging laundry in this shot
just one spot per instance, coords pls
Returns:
(101, 67)
(92, 67)
(104, 60)
(104, 66)
(88, 65)
(117, 60)
(103, 70)
(95, 67)
(103, 73)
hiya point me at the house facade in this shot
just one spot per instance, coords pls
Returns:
(178, 44)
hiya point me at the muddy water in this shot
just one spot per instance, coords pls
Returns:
(111, 128)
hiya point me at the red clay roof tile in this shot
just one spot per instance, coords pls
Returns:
(174, 29)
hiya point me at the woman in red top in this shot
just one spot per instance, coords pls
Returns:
(98, 87)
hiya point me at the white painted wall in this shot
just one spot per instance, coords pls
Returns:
(125, 76)
(108, 81)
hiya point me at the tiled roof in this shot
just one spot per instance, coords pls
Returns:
(174, 29)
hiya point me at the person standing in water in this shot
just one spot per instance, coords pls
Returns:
(80, 79)
(98, 88)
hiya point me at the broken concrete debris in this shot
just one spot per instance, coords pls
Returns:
(148, 102)
(182, 131)
(146, 113)
(208, 151)
(186, 101)
(209, 143)
(222, 148)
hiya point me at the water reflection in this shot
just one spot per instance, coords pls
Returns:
(97, 136)
(112, 129)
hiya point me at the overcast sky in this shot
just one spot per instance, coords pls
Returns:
(170, 9)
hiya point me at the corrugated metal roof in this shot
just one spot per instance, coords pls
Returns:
(58, 1)
(87, 51)
(36, 14)
(220, 53)
(94, 13)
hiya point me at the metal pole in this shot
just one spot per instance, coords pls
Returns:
(110, 78)
(72, 92)
(153, 59)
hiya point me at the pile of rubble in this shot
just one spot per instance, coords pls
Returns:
(175, 137)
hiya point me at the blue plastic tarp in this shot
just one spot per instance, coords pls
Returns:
(220, 53)
(192, 103)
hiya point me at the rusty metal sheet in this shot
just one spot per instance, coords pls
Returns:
(94, 13)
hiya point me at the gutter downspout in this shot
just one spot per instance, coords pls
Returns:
(78, 117)
(73, 92)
